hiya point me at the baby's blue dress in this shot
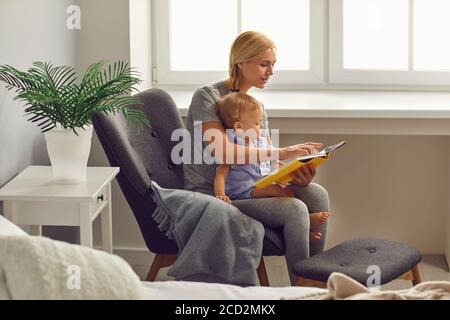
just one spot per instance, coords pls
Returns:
(241, 178)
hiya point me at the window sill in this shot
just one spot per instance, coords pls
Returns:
(350, 112)
(344, 104)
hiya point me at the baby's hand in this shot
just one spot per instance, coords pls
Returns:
(224, 198)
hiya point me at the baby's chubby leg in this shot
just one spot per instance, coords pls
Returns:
(277, 190)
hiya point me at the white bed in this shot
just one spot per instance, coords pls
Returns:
(183, 290)
(167, 290)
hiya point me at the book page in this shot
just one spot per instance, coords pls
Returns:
(333, 147)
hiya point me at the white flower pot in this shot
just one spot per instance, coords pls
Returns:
(69, 154)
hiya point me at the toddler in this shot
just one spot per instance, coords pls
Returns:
(242, 117)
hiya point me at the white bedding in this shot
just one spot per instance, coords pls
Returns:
(7, 228)
(177, 290)
(184, 290)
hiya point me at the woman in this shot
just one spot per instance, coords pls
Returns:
(252, 58)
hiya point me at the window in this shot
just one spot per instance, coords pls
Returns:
(431, 44)
(396, 42)
(321, 43)
(198, 34)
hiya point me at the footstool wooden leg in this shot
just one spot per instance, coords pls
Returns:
(407, 276)
(417, 278)
(412, 275)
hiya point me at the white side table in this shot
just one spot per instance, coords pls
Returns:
(33, 199)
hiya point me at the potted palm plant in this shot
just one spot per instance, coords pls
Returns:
(62, 107)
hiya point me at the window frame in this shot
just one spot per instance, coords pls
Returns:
(163, 76)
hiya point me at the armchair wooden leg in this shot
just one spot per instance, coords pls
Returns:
(160, 261)
(262, 274)
(417, 278)
(299, 281)
(305, 282)
(165, 260)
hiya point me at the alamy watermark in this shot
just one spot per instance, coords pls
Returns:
(73, 281)
(209, 147)
(374, 280)
(73, 21)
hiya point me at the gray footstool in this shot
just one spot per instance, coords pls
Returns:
(354, 257)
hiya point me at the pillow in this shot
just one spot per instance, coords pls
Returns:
(41, 268)
(4, 293)
(9, 228)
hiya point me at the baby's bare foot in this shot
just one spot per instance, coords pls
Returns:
(318, 218)
(315, 235)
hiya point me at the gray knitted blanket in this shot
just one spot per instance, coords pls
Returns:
(215, 240)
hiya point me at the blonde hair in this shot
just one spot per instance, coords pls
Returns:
(231, 106)
(246, 47)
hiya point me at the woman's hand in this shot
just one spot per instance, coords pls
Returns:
(224, 197)
(303, 176)
(299, 150)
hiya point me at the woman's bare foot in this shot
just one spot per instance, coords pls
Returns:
(318, 218)
(315, 235)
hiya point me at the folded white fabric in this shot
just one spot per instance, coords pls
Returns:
(7, 228)
(4, 293)
(342, 287)
(41, 268)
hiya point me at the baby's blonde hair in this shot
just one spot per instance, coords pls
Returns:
(231, 106)
(246, 47)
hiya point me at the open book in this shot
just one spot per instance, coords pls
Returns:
(282, 174)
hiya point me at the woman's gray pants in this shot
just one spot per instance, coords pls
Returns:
(292, 214)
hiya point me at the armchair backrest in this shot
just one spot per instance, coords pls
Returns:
(144, 156)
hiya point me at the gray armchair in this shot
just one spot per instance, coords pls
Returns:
(145, 156)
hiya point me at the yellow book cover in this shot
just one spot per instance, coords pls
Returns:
(282, 174)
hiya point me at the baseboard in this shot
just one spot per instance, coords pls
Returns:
(447, 262)
(138, 257)
(140, 260)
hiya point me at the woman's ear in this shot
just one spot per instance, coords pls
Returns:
(240, 64)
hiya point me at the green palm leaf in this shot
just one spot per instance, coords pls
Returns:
(53, 97)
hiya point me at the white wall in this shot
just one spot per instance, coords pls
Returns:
(447, 220)
(392, 187)
(140, 41)
(29, 31)
(32, 30)
(105, 35)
